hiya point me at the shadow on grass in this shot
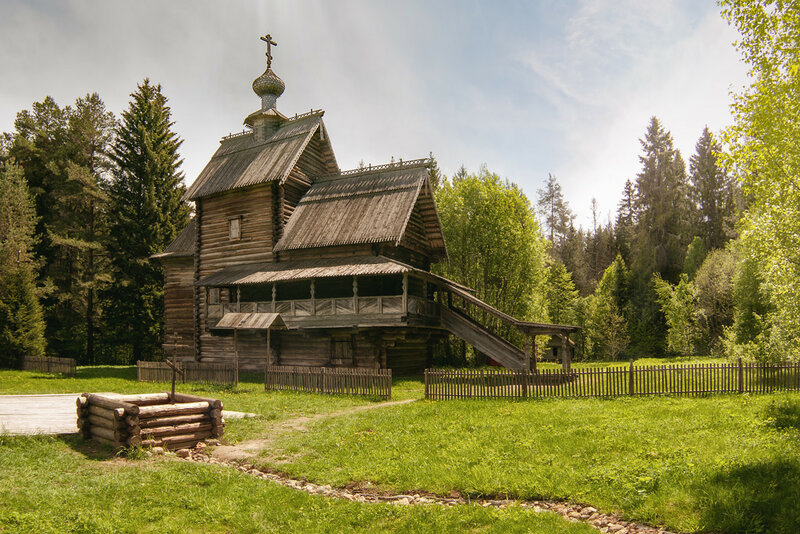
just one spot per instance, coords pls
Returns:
(756, 498)
(107, 371)
(784, 414)
(88, 448)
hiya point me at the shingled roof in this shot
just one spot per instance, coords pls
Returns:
(364, 206)
(183, 245)
(241, 162)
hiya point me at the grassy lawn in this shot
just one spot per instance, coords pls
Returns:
(57, 485)
(249, 396)
(723, 463)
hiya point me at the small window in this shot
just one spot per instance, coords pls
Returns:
(235, 228)
(213, 295)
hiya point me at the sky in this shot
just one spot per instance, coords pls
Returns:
(526, 88)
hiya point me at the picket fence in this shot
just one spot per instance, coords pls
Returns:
(631, 380)
(344, 381)
(50, 364)
(209, 373)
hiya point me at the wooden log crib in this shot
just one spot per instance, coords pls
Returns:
(169, 420)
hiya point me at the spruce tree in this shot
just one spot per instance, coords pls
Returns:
(626, 221)
(556, 215)
(714, 193)
(662, 233)
(663, 206)
(561, 295)
(63, 153)
(21, 320)
(78, 263)
(146, 199)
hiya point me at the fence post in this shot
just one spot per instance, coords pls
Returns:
(426, 383)
(741, 377)
(630, 380)
(525, 374)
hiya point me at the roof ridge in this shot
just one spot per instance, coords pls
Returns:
(246, 131)
(371, 169)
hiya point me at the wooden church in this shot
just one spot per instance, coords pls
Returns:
(336, 263)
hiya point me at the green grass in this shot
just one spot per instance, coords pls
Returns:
(58, 485)
(249, 396)
(723, 463)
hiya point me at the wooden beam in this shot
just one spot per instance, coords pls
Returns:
(235, 357)
(405, 292)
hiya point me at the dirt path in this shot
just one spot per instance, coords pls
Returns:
(603, 522)
(250, 448)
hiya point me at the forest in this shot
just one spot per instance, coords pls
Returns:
(699, 259)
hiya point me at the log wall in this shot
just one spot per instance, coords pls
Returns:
(153, 419)
(253, 205)
(178, 306)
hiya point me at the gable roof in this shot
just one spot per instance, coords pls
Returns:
(241, 162)
(183, 245)
(362, 206)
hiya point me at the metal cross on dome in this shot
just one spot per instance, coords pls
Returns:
(270, 43)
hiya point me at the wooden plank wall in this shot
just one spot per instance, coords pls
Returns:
(416, 238)
(216, 249)
(408, 357)
(178, 302)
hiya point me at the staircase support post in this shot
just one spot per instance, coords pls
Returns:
(566, 360)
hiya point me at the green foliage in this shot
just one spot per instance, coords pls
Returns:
(696, 253)
(662, 232)
(627, 218)
(21, 321)
(748, 337)
(714, 297)
(146, 200)
(555, 212)
(678, 305)
(606, 328)
(494, 243)
(561, 295)
(663, 206)
(714, 193)
(763, 151)
(64, 154)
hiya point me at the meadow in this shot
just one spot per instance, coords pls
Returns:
(724, 463)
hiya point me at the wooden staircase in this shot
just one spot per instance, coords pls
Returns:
(495, 347)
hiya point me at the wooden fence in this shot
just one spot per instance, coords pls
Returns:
(210, 373)
(700, 379)
(368, 382)
(65, 366)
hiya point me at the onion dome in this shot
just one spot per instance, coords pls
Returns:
(269, 87)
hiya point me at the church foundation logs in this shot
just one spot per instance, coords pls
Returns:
(154, 419)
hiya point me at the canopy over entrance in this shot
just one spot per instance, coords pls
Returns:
(251, 321)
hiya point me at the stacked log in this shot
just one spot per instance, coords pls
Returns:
(153, 419)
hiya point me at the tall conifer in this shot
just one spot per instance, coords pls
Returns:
(21, 320)
(146, 200)
(714, 193)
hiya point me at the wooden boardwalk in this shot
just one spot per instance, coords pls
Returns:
(38, 414)
(50, 414)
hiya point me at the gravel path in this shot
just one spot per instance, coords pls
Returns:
(570, 511)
